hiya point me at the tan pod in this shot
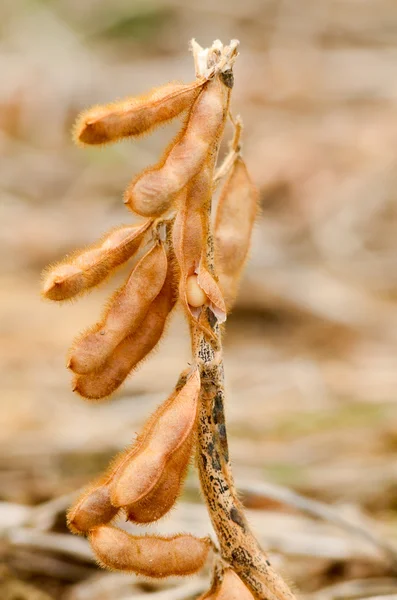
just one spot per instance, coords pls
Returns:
(230, 587)
(150, 555)
(139, 469)
(86, 269)
(152, 192)
(235, 217)
(125, 313)
(93, 508)
(136, 115)
(163, 496)
(130, 353)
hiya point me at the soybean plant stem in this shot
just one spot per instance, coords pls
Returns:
(237, 543)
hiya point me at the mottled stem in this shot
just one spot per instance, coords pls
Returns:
(238, 545)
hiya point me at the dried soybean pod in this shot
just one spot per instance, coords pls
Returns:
(150, 555)
(129, 354)
(235, 216)
(124, 314)
(139, 469)
(187, 235)
(230, 587)
(163, 496)
(206, 279)
(187, 241)
(136, 115)
(152, 192)
(89, 267)
(209, 285)
(197, 286)
(93, 508)
(130, 452)
(191, 222)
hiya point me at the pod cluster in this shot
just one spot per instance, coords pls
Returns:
(143, 483)
(168, 250)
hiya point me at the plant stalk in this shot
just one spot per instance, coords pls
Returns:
(238, 545)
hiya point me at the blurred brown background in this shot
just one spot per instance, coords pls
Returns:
(311, 347)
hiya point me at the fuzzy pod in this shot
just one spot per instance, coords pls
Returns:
(139, 469)
(210, 287)
(229, 587)
(235, 217)
(129, 354)
(152, 192)
(190, 225)
(92, 509)
(150, 555)
(124, 314)
(86, 269)
(135, 116)
(187, 240)
(197, 285)
(161, 499)
(189, 232)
